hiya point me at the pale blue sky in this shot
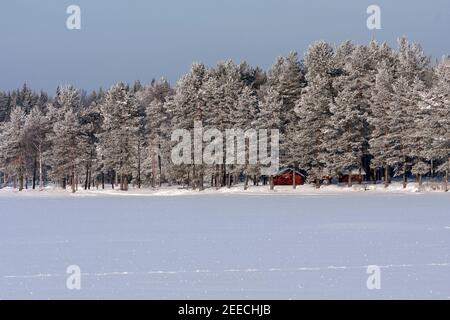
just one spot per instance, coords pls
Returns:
(145, 39)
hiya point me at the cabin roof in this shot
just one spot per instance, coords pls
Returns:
(285, 170)
(355, 171)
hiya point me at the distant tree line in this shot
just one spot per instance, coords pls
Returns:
(350, 108)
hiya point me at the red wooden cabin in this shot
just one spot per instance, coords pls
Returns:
(357, 176)
(285, 177)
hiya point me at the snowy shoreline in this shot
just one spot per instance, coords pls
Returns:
(304, 190)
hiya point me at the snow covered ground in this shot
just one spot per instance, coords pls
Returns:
(256, 244)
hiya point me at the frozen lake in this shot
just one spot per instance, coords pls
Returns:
(226, 246)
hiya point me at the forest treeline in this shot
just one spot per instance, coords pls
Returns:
(350, 108)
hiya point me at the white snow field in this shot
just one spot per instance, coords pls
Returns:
(225, 244)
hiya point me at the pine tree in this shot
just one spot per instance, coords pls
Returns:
(5, 106)
(419, 140)
(412, 62)
(189, 106)
(120, 128)
(245, 116)
(270, 116)
(90, 126)
(65, 137)
(380, 120)
(439, 118)
(309, 136)
(156, 129)
(287, 78)
(401, 126)
(13, 147)
(37, 130)
(64, 152)
(350, 110)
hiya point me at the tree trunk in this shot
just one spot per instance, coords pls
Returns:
(217, 177)
(271, 183)
(111, 176)
(224, 175)
(20, 180)
(386, 176)
(41, 179)
(317, 183)
(139, 166)
(159, 168)
(446, 180)
(125, 183)
(294, 183)
(349, 183)
(86, 180)
(201, 181)
(34, 172)
(72, 180)
(431, 170)
(405, 177)
(5, 180)
(194, 177)
(420, 179)
(246, 182)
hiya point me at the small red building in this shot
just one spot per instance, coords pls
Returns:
(357, 176)
(285, 177)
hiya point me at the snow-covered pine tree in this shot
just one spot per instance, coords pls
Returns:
(215, 117)
(412, 62)
(141, 142)
(120, 127)
(13, 147)
(37, 129)
(65, 148)
(287, 78)
(226, 99)
(270, 116)
(246, 115)
(5, 103)
(251, 76)
(63, 155)
(309, 136)
(380, 120)
(439, 118)
(90, 126)
(349, 113)
(156, 133)
(419, 139)
(188, 106)
(26, 98)
(401, 127)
